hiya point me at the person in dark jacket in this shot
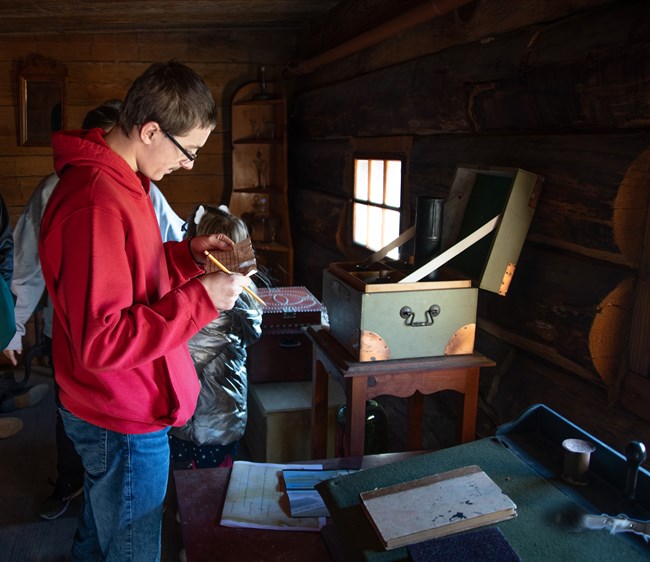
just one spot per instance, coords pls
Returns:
(7, 319)
(6, 245)
(211, 436)
(8, 426)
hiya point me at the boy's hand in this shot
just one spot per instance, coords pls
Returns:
(224, 289)
(211, 242)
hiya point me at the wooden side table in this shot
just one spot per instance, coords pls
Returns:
(406, 378)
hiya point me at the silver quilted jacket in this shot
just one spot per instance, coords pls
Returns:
(219, 354)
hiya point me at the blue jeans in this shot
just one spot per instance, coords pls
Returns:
(124, 491)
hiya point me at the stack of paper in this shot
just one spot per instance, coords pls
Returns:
(304, 500)
(256, 498)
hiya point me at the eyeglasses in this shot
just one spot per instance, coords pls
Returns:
(191, 157)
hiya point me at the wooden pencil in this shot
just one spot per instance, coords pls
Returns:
(226, 270)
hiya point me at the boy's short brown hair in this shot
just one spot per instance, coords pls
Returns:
(172, 95)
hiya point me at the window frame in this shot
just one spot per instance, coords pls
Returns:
(368, 201)
(380, 148)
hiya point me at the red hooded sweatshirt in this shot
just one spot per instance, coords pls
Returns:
(124, 303)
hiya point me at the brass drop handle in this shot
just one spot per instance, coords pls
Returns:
(407, 313)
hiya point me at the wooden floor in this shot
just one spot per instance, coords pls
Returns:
(27, 461)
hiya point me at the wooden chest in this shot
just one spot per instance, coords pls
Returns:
(283, 353)
(382, 312)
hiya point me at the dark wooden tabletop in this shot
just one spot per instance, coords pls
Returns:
(201, 495)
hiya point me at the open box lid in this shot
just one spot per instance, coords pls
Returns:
(485, 223)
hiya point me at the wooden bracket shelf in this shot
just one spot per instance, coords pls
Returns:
(259, 176)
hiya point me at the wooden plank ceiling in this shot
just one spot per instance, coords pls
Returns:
(67, 16)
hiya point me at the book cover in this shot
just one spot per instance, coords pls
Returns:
(288, 307)
(480, 545)
(435, 506)
(304, 500)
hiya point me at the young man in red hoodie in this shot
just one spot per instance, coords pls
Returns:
(125, 306)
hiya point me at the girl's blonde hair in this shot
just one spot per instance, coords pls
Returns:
(216, 220)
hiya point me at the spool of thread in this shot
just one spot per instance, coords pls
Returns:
(577, 454)
(428, 232)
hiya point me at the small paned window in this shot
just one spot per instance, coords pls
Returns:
(377, 202)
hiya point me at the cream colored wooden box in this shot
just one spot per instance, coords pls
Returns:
(380, 313)
(279, 420)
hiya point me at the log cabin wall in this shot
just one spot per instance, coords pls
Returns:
(101, 66)
(557, 88)
(561, 89)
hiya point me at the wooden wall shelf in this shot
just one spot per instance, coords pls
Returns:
(259, 171)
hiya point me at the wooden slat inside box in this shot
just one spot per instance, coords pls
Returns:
(279, 420)
(379, 312)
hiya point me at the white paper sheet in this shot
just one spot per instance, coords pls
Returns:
(256, 498)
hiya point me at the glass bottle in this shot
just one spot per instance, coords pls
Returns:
(376, 433)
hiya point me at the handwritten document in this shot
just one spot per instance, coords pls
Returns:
(257, 498)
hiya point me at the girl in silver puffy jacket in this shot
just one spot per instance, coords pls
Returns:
(211, 436)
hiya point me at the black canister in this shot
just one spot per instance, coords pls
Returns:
(428, 232)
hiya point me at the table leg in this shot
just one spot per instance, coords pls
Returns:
(355, 413)
(415, 422)
(319, 404)
(470, 405)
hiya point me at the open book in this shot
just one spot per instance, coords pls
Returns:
(304, 500)
(256, 498)
(436, 506)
